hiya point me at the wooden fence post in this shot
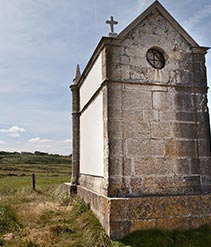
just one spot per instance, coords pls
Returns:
(33, 182)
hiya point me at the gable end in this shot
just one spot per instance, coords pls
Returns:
(166, 15)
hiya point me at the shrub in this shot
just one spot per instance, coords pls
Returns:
(79, 207)
(8, 219)
(60, 229)
(93, 232)
(32, 244)
(2, 242)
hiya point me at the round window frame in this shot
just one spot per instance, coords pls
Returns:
(158, 56)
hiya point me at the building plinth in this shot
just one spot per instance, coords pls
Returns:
(121, 216)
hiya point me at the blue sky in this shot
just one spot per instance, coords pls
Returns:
(41, 43)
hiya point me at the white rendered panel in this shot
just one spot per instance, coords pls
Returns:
(92, 82)
(91, 139)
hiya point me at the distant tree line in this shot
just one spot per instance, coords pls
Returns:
(29, 153)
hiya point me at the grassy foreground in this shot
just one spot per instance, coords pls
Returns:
(47, 218)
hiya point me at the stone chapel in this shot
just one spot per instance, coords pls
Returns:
(141, 133)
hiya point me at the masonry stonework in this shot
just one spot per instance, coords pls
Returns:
(157, 164)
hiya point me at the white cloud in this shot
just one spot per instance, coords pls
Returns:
(37, 144)
(68, 141)
(38, 140)
(13, 131)
(43, 147)
(2, 143)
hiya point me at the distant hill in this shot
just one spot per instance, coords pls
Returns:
(33, 158)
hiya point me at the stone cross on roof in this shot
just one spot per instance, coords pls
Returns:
(112, 22)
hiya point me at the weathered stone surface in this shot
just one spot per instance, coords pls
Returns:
(116, 167)
(152, 115)
(116, 148)
(128, 167)
(195, 166)
(159, 185)
(116, 114)
(202, 117)
(160, 130)
(195, 205)
(173, 223)
(199, 221)
(200, 101)
(205, 205)
(120, 71)
(118, 209)
(205, 189)
(126, 186)
(136, 186)
(125, 59)
(142, 224)
(203, 130)
(144, 148)
(172, 206)
(162, 100)
(205, 166)
(118, 187)
(192, 180)
(116, 129)
(167, 115)
(186, 117)
(182, 167)
(115, 98)
(181, 149)
(136, 100)
(204, 147)
(136, 129)
(140, 208)
(184, 130)
(96, 184)
(183, 102)
(171, 185)
(153, 166)
(131, 115)
(206, 180)
(131, 214)
(119, 229)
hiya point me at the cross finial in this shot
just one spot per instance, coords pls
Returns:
(112, 22)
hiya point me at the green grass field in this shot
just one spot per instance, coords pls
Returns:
(12, 184)
(16, 171)
(16, 164)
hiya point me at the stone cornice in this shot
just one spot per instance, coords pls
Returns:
(194, 89)
(104, 42)
(201, 49)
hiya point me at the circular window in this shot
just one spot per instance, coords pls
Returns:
(155, 58)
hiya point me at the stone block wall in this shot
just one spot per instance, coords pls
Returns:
(156, 141)
(158, 122)
(168, 212)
